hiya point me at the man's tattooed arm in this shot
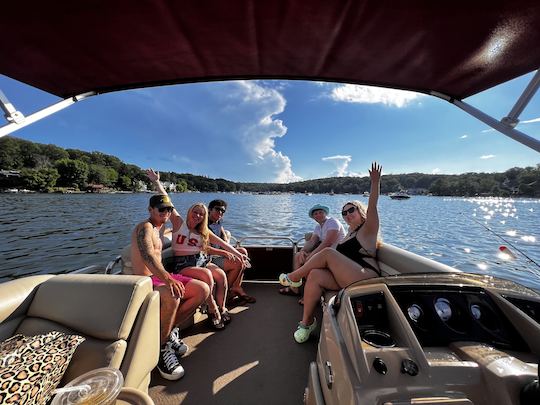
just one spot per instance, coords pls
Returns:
(148, 253)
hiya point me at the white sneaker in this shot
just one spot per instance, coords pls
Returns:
(177, 344)
(169, 367)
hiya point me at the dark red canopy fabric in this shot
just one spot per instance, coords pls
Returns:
(457, 48)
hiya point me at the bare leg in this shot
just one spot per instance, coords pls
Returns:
(235, 275)
(205, 275)
(220, 284)
(317, 281)
(344, 270)
(195, 294)
(167, 312)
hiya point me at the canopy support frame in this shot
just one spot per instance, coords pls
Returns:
(505, 125)
(16, 120)
(512, 118)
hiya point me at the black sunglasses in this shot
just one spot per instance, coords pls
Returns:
(163, 209)
(348, 211)
(220, 209)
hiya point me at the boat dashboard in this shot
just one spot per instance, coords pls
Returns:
(428, 339)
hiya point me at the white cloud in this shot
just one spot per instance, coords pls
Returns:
(341, 163)
(436, 171)
(226, 129)
(351, 93)
(487, 156)
(463, 136)
(488, 130)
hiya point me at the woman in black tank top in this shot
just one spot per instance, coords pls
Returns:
(352, 260)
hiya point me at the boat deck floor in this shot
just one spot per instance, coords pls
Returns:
(254, 360)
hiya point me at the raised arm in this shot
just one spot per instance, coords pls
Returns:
(152, 259)
(153, 176)
(372, 219)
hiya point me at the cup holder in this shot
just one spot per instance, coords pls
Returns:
(377, 338)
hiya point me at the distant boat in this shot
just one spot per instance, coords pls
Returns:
(365, 194)
(399, 195)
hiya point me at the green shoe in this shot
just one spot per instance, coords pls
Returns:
(287, 282)
(303, 332)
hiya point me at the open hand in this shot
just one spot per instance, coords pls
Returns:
(152, 175)
(375, 172)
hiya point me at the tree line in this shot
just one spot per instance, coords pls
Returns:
(48, 168)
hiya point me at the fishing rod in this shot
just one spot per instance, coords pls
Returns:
(503, 239)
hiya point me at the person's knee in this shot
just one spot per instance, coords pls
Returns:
(219, 276)
(242, 250)
(329, 251)
(197, 289)
(206, 276)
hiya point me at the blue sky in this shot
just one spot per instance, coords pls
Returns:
(281, 131)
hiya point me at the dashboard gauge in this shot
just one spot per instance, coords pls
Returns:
(476, 312)
(414, 312)
(443, 308)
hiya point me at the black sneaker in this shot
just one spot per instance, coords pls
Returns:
(169, 367)
(177, 344)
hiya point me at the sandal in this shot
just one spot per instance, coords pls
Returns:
(287, 282)
(289, 291)
(226, 317)
(303, 332)
(216, 321)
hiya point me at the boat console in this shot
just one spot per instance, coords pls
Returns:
(429, 340)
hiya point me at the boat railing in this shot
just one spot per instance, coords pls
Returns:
(109, 269)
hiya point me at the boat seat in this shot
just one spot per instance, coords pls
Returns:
(118, 315)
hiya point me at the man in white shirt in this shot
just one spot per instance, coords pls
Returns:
(327, 233)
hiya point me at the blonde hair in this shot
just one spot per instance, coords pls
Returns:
(202, 227)
(362, 210)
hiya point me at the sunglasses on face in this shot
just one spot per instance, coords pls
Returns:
(220, 209)
(348, 211)
(163, 209)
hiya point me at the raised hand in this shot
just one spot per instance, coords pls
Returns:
(375, 172)
(152, 175)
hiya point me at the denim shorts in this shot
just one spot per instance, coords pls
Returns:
(181, 262)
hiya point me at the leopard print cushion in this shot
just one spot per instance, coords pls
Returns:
(32, 366)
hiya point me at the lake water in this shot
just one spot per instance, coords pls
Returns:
(52, 233)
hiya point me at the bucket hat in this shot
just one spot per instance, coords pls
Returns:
(318, 207)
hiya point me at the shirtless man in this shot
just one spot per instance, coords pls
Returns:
(179, 295)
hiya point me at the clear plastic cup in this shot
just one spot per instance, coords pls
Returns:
(97, 387)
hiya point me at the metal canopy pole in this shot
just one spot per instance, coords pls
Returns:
(16, 120)
(502, 127)
(512, 118)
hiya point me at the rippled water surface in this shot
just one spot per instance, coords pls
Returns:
(42, 233)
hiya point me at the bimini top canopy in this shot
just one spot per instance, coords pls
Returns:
(457, 48)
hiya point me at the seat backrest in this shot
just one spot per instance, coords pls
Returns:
(118, 316)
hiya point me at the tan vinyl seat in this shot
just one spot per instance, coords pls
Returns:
(117, 314)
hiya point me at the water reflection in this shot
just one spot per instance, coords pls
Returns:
(57, 233)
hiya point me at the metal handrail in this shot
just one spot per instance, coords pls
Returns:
(112, 264)
(241, 240)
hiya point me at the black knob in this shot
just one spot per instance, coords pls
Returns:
(380, 366)
(409, 367)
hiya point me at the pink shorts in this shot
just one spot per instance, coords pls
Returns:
(156, 282)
